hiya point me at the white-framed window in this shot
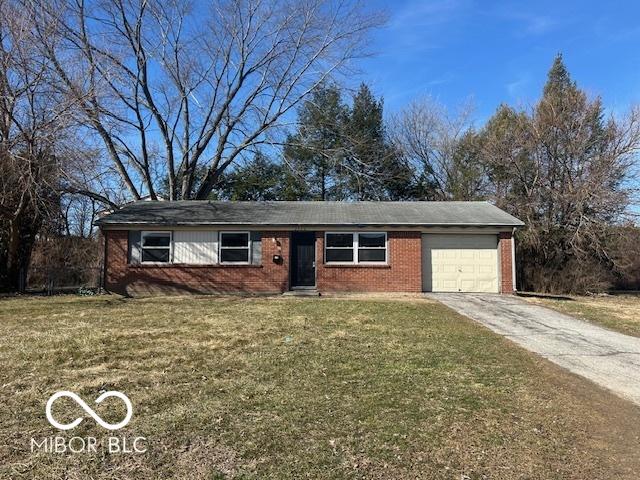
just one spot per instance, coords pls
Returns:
(235, 247)
(355, 247)
(155, 247)
(372, 247)
(338, 247)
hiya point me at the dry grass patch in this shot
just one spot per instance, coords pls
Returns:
(617, 312)
(316, 388)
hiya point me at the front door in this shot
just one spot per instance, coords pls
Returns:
(303, 259)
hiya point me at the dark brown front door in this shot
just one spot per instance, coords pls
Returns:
(303, 259)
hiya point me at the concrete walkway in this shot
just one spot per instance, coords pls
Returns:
(608, 358)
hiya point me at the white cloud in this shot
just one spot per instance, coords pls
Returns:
(526, 23)
(517, 87)
(420, 13)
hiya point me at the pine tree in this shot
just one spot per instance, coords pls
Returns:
(262, 179)
(560, 168)
(316, 151)
(374, 169)
(342, 152)
(558, 79)
(366, 145)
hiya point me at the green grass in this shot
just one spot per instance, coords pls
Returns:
(616, 312)
(284, 388)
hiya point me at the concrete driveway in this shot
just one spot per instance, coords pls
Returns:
(608, 358)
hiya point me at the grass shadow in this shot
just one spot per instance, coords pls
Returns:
(547, 296)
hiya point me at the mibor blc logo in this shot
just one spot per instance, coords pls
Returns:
(77, 444)
(89, 410)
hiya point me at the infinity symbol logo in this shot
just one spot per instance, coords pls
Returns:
(89, 410)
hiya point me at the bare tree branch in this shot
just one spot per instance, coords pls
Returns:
(213, 79)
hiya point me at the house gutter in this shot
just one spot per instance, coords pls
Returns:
(256, 225)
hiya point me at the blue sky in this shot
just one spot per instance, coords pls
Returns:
(497, 51)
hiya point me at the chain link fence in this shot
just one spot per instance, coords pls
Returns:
(83, 280)
(65, 265)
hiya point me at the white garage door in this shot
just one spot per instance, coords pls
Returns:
(459, 263)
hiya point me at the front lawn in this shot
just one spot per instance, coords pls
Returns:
(290, 388)
(617, 312)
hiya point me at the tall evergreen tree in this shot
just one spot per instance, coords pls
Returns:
(316, 151)
(367, 148)
(374, 169)
(262, 179)
(342, 152)
(562, 169)
(467, 176)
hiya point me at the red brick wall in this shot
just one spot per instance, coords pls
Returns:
(506, 263)
(270, 277)
(402, 274)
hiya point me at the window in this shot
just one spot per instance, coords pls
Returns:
(372, 247)
(339, 247)
(156, 246)
(234, 247)
(365, 247)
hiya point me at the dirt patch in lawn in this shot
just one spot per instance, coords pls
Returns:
(315, 388)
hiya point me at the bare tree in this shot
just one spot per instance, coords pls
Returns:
(170, 86)
(567, 170)
(79, 213)
(441, 147)
(33, 123)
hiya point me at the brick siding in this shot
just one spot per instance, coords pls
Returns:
(126, 279)
(403, 273)
(506, 262)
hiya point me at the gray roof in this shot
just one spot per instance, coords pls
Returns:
(193, 212)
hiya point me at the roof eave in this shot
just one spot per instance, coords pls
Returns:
(294, 225)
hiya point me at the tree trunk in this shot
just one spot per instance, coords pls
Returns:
(13, 257)
(20, 242)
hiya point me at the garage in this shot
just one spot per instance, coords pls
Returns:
(460, 263)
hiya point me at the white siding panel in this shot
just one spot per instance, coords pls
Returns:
(195, 247)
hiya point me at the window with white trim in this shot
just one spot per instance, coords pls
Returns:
(235, 247)
(338, 248)
(372, 247)
(156, 247)
(361, 247)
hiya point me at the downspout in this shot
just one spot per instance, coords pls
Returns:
(104, 262)
(513, 259)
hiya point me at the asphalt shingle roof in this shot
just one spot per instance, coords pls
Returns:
(193, 212)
